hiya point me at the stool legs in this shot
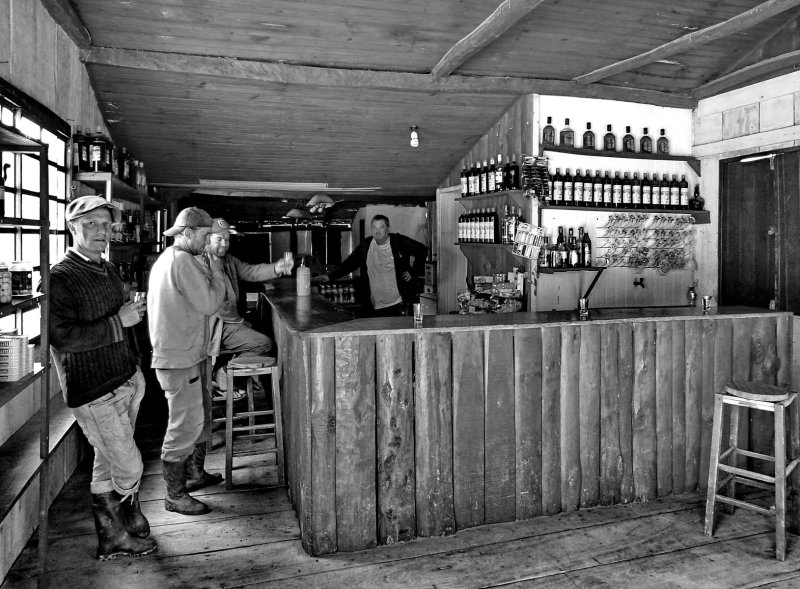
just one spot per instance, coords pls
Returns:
(278, 416)
(735, 412)
(780, 482)
(229, 432)
(713, 467)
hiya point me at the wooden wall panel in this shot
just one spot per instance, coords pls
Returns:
(434, 434)
(644, 411)
(723, 369)
(551, 420)
(740, 370)
(589, 379)
(625, 372)
(664, 409)
(707, 335)
(355, 443)
(694, 417)
(501, 456)
(570, 418)
(528, 426)
(678, 406)
(5, 40)
(468, 428)
(610, 442)
(764, 368)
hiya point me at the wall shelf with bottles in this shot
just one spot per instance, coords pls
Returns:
(693, 162)
(112, 185)
(547, 270)
(700, 217)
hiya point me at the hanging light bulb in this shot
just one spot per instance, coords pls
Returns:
(414, 136)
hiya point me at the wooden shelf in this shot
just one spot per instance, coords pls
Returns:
(20, 304)
(700, 217)
(12, 140)
(513, 193)
(693, 162)
(15, 222)
(548, 270)
(9, 390)
(119, 190)
(481, 244)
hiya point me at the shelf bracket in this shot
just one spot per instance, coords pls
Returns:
(600, 270)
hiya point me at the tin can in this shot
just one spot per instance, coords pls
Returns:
(5, 284)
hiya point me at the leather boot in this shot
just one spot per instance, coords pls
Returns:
(196, 476)
(112, 538)
(133, 518)
(177, 498)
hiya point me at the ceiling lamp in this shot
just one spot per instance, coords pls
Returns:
(414, 136)
(319, 202)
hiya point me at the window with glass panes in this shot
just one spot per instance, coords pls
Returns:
(21, 243)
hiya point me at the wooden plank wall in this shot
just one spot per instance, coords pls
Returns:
(506, 424)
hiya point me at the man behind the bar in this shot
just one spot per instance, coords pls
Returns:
(97, 359)
(390, 264)
(186, 288)
(238, 337)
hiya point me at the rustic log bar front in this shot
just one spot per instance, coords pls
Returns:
(394, 432)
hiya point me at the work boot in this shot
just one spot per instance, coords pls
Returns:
(133, 518)
(112, 538)
(177, 498)
(196, 475)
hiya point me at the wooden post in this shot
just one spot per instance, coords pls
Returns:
(708, 333)
(678, 406)
(528, 426)
(644, 411)
(664, 409)
(551, 420)
(694, 414)
(590, 352)
(610, 450)
(570, 418)
(625, 407)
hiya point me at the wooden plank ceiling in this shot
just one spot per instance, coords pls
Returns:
(324, 91)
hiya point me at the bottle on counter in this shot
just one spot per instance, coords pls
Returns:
(544, 254)
(645, 143)
(609, 140)
(549, 134)
(560, 258)
(573, 254)
(566, 138)
(588, 137)
(628, 143)
(662, 145)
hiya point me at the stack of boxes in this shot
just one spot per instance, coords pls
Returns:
(16, 357)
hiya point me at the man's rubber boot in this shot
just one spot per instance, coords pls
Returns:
(113, 539)
(196, 475)
(133, 518)
(177, 499)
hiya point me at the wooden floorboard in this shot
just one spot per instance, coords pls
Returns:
(251, 539)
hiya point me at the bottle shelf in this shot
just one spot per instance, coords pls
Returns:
(15, 222)
(512, 193)
(700, 217)
(548, 270)
(482, 244)
(693, 162)
(120, 190)
(22, 303)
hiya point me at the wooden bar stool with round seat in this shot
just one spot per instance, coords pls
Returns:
(250, 366)
(762, 397)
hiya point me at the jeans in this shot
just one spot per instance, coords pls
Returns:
(189, 403)
(240, 338)
(108, 423)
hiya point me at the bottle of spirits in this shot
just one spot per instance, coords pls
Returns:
(577, 188)
(683, 186)
(460, 228)
(498, 174)
(628, 143)
(544, 254)
(568, 195)
(464, 180)
(504, 226)
(80, 151)
(494, 233)
(586, 250)
(696, 202)
(647, 192)
(645, 143)
(97, 152)
(627, 189)
(472, 180)
(566, 138)
(597, 189)
(609, 140)
(636, 191)
(665, 191)
(507, 176)
(608, 191)
(561, 250)
(616, 190)
(656, 193)
(572, 251)
(588, 137)
(558, 188)
(588, 191)
(675, 193)
(483, 177)
(549, 134)
(491, 177)
(514, 172)
(662, 145)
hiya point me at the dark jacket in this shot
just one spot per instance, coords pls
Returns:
(403, 249)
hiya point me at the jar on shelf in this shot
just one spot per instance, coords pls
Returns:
(5, 284)
(21, 279)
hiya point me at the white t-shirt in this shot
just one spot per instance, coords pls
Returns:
(382, 279)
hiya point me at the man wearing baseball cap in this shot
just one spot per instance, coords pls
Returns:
(97, 359)
(238, 337)
(185, 289)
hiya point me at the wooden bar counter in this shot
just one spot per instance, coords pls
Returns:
(394, 432)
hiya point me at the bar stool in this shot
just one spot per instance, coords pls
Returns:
(252, 366)
(762, 397)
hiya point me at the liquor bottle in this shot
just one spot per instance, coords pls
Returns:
(460, 229)
(498, 174)
(656, 193)
(588, 137)
(573, 254)
(636, 191)
(558, 188)
(507, 176)
(627, 187)
(494, 231)
(568, 195)
(97, 151)
(683, 187)
(616, 191)
(696, 202)
(143, 177)
(482, 178)
(665, 192)
(491, 177)
(80, 151)
(561, 250)
(566, 138)
(647, 192)
(483, 226)
(476, 179)
(608, 191)
(674, 193)
(577, 188)
(512, 225)
(588, 189)
(464, 180)
(628, 143)
(549, 197)
(124, 167)
(662, 145)
(504, 226)
(544, 254)
(514, 173)
(597, 189)
(548, 134)
(609, 140)
(586, 250)
(646, 143)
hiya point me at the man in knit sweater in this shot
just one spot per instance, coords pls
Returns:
(95, 354)
(186, 288)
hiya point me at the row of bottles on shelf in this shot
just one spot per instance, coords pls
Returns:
(135, 227)
(567, 252)
(338, 293)
(492, 177)
(626, 192)
(484, 226)
(566, 138)
(94, 152)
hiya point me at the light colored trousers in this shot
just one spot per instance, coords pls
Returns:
(189, 403)
(108, 423)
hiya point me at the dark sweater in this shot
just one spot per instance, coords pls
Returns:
(93, 353)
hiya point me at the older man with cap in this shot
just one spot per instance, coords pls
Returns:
(97, 359)
(238, 337)
(185, 289)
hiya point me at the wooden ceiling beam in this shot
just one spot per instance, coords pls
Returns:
(750, 74)
(726, 28)
(503, 18)
(65, 16)
(287, 74)
(757, 51)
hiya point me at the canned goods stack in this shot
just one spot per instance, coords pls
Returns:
(5, 284)
(16, 357)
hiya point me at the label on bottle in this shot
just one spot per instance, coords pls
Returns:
(577, 192)
(597, 189)
(636, 195)
(548, 136)
(558, 190)
(567, 192)
(482, 183)
(607, 194)
(626, 194)
(550, 194)
(95, 154)
(675, 196)
(647, 196)
(498, 179)
(656, 196)
(587, 255)
(617, 194)
(464, 190)
(490, 182)
(587, 192)
(685, 197)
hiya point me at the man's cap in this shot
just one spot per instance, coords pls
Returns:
(85, 204)
(189, 217)
(220, 225)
